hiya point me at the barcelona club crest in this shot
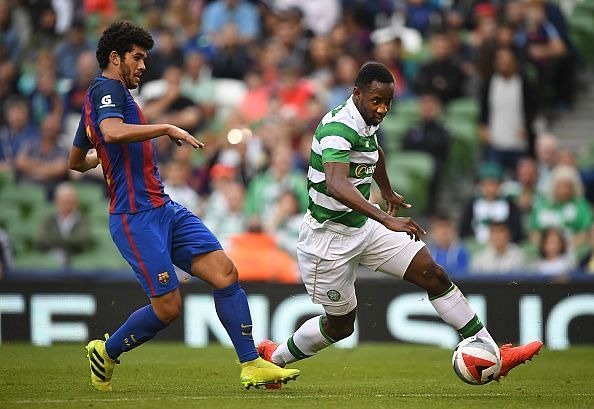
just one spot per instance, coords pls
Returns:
(163, 277)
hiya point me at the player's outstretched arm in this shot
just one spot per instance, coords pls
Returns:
(345, 192)
(82, 160)
(115, 130)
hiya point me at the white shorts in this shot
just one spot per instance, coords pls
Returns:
(328, 261)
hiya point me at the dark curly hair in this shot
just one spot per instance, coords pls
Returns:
(120, 37)
(373, 71)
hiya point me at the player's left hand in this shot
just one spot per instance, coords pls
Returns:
(394, 201)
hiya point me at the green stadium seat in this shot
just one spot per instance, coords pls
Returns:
(411, 174)
(465, 146)
(34, 260)
(27, 197)
(394, 128)
(463, 108)
(6, 181)
(8, 214)
(406, 109)
(89, 195)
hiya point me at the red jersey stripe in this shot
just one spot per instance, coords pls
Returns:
(137, 254)
(153, 186)
(98, 143)
(129, 180)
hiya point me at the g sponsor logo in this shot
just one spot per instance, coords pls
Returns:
(106, 101)
(364, 170)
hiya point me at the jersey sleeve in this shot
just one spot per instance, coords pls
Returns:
(109, 100)
(80, 137)
(335, 149)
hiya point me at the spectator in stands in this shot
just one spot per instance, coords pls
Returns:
(544, 46)
(441, 76)
(231, 58)
(257, 257)
(389, 50)
(547, 157)
(319, 63)
(508, 108)
(44, 162)
(265, 189)
(565, 208)
(489, 207)
(166, 104)
(8, 85)
(17, 132)
(523, 190)
(68, 51)
(318, 16)
(501, 256)
(430, 136)
(45, 100)
(255, 105)
(290, 32)
(167, 54)
(420, 15)
(445, 248)
(587, 261)
(66, 231)
(45, 37)
(5, 253)
(346, 68)
(293, 92)
(556, 259)
(240, 13)
(177, 187)
(285, 221)
(196, 82)
(225, 217)
(86, 70)
(9, 38)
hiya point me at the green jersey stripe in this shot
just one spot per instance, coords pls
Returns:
(350, 219)
(337, 128)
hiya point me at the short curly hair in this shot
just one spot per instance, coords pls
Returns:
(373, 71)
(120, 37)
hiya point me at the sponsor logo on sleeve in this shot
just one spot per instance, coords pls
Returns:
(106, 102)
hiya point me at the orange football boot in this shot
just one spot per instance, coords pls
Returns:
(514, 356)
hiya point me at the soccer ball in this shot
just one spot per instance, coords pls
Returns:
(476, 360)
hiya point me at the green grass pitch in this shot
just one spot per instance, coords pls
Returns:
(168, 375)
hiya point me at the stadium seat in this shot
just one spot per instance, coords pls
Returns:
(6, 181)
(465, 146)
(406, 109)
(418, 168)
(26, 197)
(34, 260)
(394, 128)
(463, 108)
(90, 195)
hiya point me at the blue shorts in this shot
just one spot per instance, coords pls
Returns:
(154, 240)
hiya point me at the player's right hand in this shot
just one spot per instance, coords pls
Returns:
(406, 225)
(178, 135)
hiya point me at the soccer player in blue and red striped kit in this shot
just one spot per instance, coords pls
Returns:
(151, 231)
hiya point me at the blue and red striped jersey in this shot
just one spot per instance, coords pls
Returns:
(130, 169)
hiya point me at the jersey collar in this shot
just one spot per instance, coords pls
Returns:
(361, 127)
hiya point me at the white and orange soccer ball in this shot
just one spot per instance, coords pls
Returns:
(476, 360)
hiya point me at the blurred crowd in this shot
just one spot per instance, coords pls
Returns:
(253, 78)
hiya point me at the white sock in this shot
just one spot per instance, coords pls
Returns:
(305, 342)
(454, 309)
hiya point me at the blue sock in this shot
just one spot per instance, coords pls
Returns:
(141, 325)
(233, 311)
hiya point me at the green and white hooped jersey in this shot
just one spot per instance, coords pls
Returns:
(342, 136)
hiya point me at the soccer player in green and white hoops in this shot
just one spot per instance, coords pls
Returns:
(342, 230)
